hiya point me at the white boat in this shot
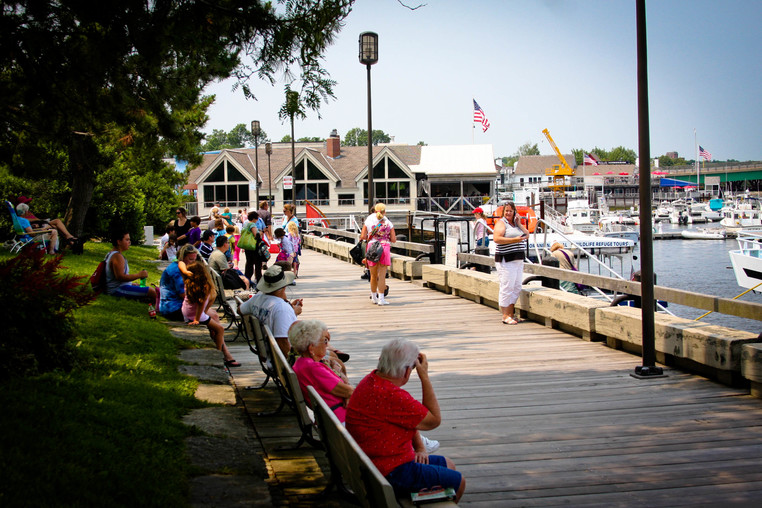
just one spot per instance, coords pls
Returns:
(580, 216)
(747, 260)
(703, 234)
(742, 216)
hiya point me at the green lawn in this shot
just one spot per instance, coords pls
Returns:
(107, 433)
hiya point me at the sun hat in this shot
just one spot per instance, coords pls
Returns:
(478, 209)
(23, 199)
(275, 278)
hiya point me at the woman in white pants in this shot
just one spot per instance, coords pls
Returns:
(510, 236)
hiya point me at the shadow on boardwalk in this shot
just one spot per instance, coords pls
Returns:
(532, 416)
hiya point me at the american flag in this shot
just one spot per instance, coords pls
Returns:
(706, 155)
(480, 117)
(589, 160)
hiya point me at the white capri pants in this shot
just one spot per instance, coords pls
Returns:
(510, 274)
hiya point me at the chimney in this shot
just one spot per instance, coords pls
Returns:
(333, 144)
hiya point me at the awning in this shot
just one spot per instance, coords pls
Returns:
(671, 182)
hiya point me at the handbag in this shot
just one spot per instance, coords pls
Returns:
(375, 251)
(247, 240)
(357, 253)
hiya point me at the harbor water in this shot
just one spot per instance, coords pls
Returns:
(699, 266)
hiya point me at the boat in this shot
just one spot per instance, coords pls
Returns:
(580, 216)
(747, 260)
(740, 216)
(703, 234)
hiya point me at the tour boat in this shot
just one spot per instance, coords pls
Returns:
(742, 216)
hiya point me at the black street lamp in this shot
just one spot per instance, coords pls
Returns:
(369, 56)
(256, 131)
(269, 150)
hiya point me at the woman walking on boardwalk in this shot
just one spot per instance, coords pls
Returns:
(510, 236)
(378, 229)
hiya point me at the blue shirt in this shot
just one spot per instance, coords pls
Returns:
(172, 290)
(24, 223)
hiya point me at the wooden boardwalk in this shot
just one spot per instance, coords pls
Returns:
(534, 416)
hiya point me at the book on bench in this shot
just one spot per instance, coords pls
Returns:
(433, 495)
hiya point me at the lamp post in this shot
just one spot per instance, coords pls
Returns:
(292, 105)
(269, 150)
(369, 56)
(256, 131)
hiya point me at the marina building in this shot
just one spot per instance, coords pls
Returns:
(454, 178)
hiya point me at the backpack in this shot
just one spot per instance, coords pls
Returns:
(263, 251)
(98, 278)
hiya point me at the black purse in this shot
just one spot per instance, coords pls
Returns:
(357, 253)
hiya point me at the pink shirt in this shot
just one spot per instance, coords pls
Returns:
(323, 379)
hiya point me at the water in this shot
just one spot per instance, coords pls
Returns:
(700, 266)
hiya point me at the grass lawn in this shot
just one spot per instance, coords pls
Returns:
(108, 433)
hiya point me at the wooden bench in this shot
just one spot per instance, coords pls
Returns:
(352, 472)
(226, 302)
(254, 334)
(290, 391)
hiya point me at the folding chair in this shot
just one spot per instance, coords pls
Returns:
(227, 304)
(22, 237)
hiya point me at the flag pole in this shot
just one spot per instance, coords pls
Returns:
(473, 127)
(695, 142)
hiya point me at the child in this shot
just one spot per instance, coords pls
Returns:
(199, 298)
(227, 216)
(194, 233)
(219, 227)
(169, 252)
(236, 249)
(286, 247)
(163, 240)
(230, 235)
(296, 242)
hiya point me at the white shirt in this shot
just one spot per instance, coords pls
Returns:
(164, 239)
(372, 220)
(273, 311)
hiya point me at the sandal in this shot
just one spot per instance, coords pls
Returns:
(510, 321)
(232, 363)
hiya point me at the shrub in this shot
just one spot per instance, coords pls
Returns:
(38, 301)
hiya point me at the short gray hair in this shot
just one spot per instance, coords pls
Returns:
(22, 208)
(396, 356)
(306, 333)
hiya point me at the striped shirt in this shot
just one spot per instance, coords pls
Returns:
(510, 251)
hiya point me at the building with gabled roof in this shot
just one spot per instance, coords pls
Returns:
(335, 177)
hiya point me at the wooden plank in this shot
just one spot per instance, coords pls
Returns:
(535, 417)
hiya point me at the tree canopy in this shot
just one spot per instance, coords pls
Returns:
(359, 137)
(238, 137)
(84, 86)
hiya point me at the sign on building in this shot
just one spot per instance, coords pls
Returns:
(288, 182)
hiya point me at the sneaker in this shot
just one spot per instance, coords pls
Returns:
(431, 445)
(382, 300)
(374, 298)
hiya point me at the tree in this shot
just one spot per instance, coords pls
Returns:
(359, 137)
(286, 139)
(528, 149)
(81, 83)
(622, 154)
(238, 137)
(313, 139)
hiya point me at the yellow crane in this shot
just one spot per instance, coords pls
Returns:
(559, 172)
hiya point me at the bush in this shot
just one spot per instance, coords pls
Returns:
(38, 301)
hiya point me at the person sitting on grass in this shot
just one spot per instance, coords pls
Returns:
(197, 308)
(119, 280)
(386, 421)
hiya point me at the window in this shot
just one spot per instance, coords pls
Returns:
(346, 199)
(311, 183)
(227, 186)
(391, 185)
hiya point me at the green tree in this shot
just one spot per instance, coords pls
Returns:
(286, 139)
(131, 73)
(622, 154)
(359, 137)
(217, 140)
(313, 139)
(528, 149)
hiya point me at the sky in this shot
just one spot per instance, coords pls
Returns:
(565, 65)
